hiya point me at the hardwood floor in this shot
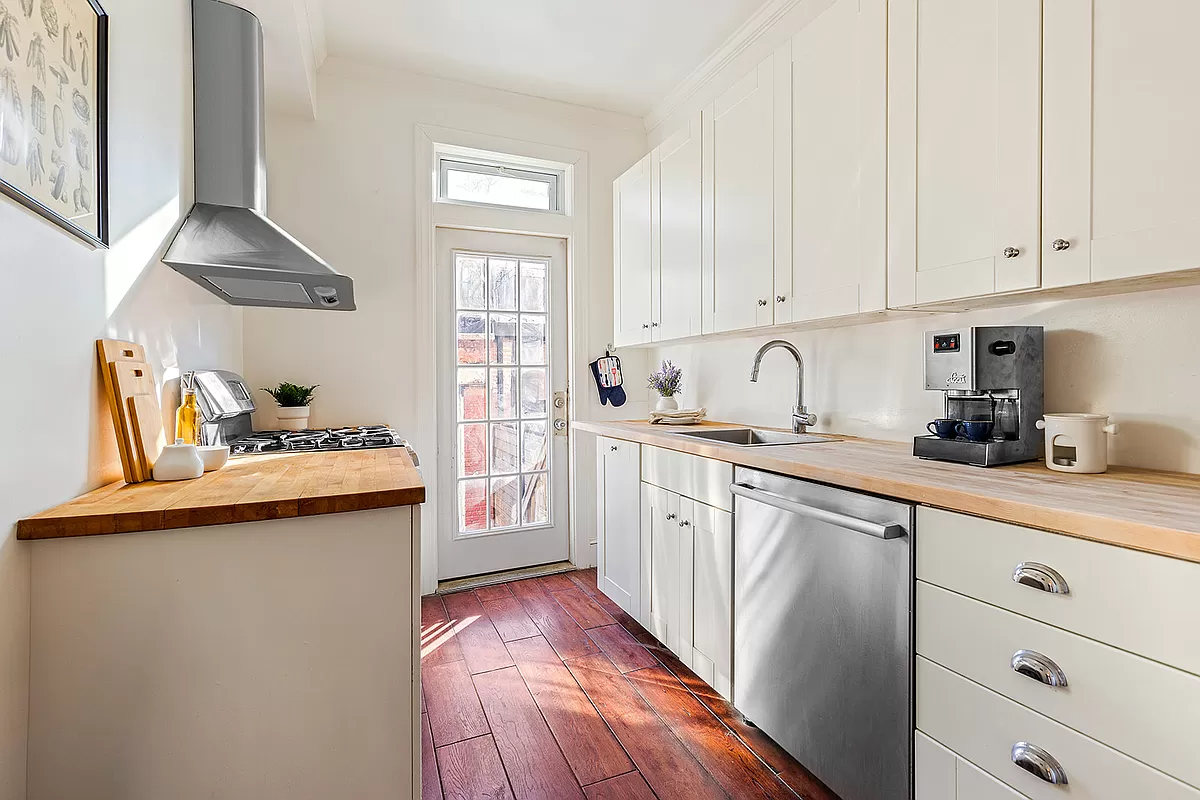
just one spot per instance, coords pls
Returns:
(545, 688)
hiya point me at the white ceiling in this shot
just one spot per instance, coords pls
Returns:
(617, 55)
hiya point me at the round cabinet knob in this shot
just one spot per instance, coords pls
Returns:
(1060, 244)
(613, 448)
(670, 516)
(780, 298)
(684, 523)
(762, 303)
(653, 324)
(645, 326)
(1011, 252)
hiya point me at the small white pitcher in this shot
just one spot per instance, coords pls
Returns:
(1077, 442)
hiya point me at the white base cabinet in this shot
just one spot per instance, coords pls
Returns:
(618, 524)
(943, 775)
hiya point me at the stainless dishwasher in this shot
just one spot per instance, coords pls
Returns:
(823, 629)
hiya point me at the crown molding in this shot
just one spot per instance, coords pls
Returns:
(767, 15)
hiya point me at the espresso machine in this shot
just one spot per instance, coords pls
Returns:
(987, 374)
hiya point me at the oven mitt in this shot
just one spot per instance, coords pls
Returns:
(607, 373)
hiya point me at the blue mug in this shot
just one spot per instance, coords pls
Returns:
(944, 428)
(977, 430)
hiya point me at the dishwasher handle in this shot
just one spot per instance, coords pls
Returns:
(876, 529)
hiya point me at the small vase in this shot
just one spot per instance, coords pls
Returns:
(292, 419)
(667, 404)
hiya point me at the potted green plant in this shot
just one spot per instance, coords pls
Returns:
(293, 401)
(667, 382)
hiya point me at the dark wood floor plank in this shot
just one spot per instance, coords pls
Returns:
(740, 772)
(482, 647)
(510, 619)
(583, 608)
(791, 771)
(495, 592)
(557, 582)
(530, 587)
(454, 710)
(439, 645)
(560, 628)
(630, 786)
(620, 646)
(585, 579)
(431, 784)
(471, 770)
(537, 769)
(661, 758)
(589, 746)
(624, 620)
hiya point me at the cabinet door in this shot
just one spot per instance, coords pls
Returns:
(618, 539)
(936, 770)
(839, 163)
(677, 234)
(712, 595)
(660, 563)
(1121, 162)
(632, 256)
(739, 203)
(964, 148)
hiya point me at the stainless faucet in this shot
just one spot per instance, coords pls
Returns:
(801, 419)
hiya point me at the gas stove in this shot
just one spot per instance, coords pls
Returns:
(365, 437)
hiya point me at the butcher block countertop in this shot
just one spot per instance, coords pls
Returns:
(247, 489)
(1158, 512)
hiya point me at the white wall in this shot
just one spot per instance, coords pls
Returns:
(344, 184)
(60, 296)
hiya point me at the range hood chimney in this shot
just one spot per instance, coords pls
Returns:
(227, 243)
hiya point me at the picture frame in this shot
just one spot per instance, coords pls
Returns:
(54, 112)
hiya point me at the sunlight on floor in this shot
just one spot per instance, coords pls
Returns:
(437, 635)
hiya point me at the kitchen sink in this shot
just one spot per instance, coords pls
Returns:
(755, 437)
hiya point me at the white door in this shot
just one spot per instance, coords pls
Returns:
(839, 163)
(740, 182)
(502, 367)
(964, 148)
(1121, 161)
(677, 226)
(632, 257)
(618, 500)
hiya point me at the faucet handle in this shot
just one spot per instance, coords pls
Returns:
(801, 417)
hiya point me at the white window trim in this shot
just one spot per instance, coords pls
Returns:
(554, 179)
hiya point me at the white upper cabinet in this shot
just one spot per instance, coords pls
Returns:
(676, 225)
(741, 185)
(839, 164)
(632, 258)
(964, 144)
(1121, 166)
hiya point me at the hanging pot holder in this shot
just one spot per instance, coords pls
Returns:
(607, 372)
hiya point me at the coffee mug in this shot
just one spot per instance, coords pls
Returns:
(944, 428)
(977, 430)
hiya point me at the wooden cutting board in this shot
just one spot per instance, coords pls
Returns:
(146, 417)
(130, 379)
(109, 351)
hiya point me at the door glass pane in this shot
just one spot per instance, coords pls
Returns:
(502, 338)
(534, 394)
(472, 282)
(502, 276)
(504, 393)
(506, 502)
(535, 499)
(472, 393)
(471, 341)
(472, 450)
(473, 505)
(533, 446)
(533, 339)
(506, 453)
(533, 285)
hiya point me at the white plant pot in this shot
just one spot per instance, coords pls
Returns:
(292, 419)
(667, 404)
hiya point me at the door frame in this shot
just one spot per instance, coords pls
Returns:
(570, 226)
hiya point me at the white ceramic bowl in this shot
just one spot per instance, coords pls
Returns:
(214, 457)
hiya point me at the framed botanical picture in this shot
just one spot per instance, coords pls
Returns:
(53, 109)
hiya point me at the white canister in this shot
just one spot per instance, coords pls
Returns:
(178, 462)
(293, 418)
(1077, 442)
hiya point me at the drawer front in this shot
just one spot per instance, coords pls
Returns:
(975, 784)
(983, 727)
(699, 478)
(1140, 707)
(1143, 603)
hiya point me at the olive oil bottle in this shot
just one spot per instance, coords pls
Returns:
(187, 419)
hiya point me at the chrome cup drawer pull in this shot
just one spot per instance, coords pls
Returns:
(1033, 664)
(1040, 577)
(1039, 763)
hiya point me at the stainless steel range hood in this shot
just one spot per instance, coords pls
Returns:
(227, 244)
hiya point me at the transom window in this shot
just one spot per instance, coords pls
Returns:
(495, 184)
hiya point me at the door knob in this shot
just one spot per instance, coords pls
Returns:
(1040, 577)
(1011, 252)
(1039, 763)
(1040, 668)
(1060, 244)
